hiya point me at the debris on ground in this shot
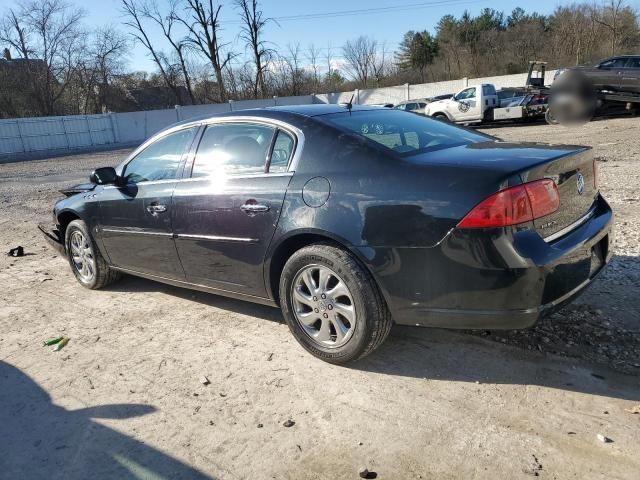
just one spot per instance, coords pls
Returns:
(604, 439)
(260, 425)
(52, 341)
(61, 344)
(578, 331)
(289, 423)
(634, 410)
(16, 252)
(364, 472)
(205, 381)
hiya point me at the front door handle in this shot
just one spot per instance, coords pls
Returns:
(254, 208)
(156, 209)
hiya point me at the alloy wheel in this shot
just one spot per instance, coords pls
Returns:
(82, 256)
(323, 306)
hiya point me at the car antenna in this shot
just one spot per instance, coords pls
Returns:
(350, 104)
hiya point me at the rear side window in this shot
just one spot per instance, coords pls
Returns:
(233, 149)
(402, 133)
(282, 151)
(488, 90)
(633, 63)
(614, 63)
(161, 159)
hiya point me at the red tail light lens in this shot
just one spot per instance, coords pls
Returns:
(514, 205)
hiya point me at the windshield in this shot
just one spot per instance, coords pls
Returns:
(404, 133)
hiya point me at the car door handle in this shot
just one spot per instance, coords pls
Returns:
(156, 209)
(254, 208)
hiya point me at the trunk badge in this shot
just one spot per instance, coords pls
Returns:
(580, 183)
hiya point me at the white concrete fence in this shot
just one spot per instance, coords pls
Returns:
(24, 136)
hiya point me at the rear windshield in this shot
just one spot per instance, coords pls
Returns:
(403, 133)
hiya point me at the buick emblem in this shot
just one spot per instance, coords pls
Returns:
(580, 183)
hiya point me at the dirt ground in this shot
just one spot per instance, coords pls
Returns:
(124, 398)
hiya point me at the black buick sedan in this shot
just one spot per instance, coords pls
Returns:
(348, 219)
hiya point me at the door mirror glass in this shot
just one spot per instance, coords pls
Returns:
(104, 176)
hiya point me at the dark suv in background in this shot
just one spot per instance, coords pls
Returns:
(621, 73)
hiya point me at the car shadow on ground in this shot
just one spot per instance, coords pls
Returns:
(141, 285)
(441, 354)
(39, 439)
(445, 355)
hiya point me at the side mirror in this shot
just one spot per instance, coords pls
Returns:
(104, 176)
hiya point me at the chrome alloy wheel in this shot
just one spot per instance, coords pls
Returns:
(323, 306)
(82, 256)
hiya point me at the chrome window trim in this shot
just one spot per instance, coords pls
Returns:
(238, 176)
(569, 228)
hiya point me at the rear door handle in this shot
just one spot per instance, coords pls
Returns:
(254, 208)
(156, 209)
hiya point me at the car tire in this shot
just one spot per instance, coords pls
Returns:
(441, 116)
(87, 263)
(363, 327)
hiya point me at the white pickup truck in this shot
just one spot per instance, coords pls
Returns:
(476, 104)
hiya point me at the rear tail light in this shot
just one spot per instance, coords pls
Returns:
(515, 205)
(595, 174)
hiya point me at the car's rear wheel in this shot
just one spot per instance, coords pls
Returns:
(332, 305)
(87, 263)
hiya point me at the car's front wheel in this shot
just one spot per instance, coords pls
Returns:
(87, 263)
(332, 305)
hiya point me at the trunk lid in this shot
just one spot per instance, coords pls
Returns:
(574, 175)
(529, 161)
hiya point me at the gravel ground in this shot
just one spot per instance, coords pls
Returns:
(124, 398)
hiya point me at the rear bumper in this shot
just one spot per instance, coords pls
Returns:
(492, 279)
(53, 237)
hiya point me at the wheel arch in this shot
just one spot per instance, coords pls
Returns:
(441, 113)
(291, 243)
(65, 217)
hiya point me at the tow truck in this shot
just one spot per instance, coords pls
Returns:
(479, 103)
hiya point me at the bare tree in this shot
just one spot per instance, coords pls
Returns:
(252, 32)
(313, 55)
(167, 21)
(134, 13)
(204, 34)
(329, 59)
(608, 16)
(44, 32)
(294, 68)
(360, 57)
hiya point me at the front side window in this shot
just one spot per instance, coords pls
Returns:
(467, 94)
(614, 63)
(403, 134)
(161, 159)
(233, 149)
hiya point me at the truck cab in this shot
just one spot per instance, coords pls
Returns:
(469, 105)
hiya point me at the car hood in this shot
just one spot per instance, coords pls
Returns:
(438, 103)
(80, 188)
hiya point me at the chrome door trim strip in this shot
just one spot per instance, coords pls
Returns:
(216, 238)
(136, 232)
(569, 228)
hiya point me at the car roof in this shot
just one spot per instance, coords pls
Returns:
(314, 110)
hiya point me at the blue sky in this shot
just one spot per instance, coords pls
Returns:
(388, 26)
